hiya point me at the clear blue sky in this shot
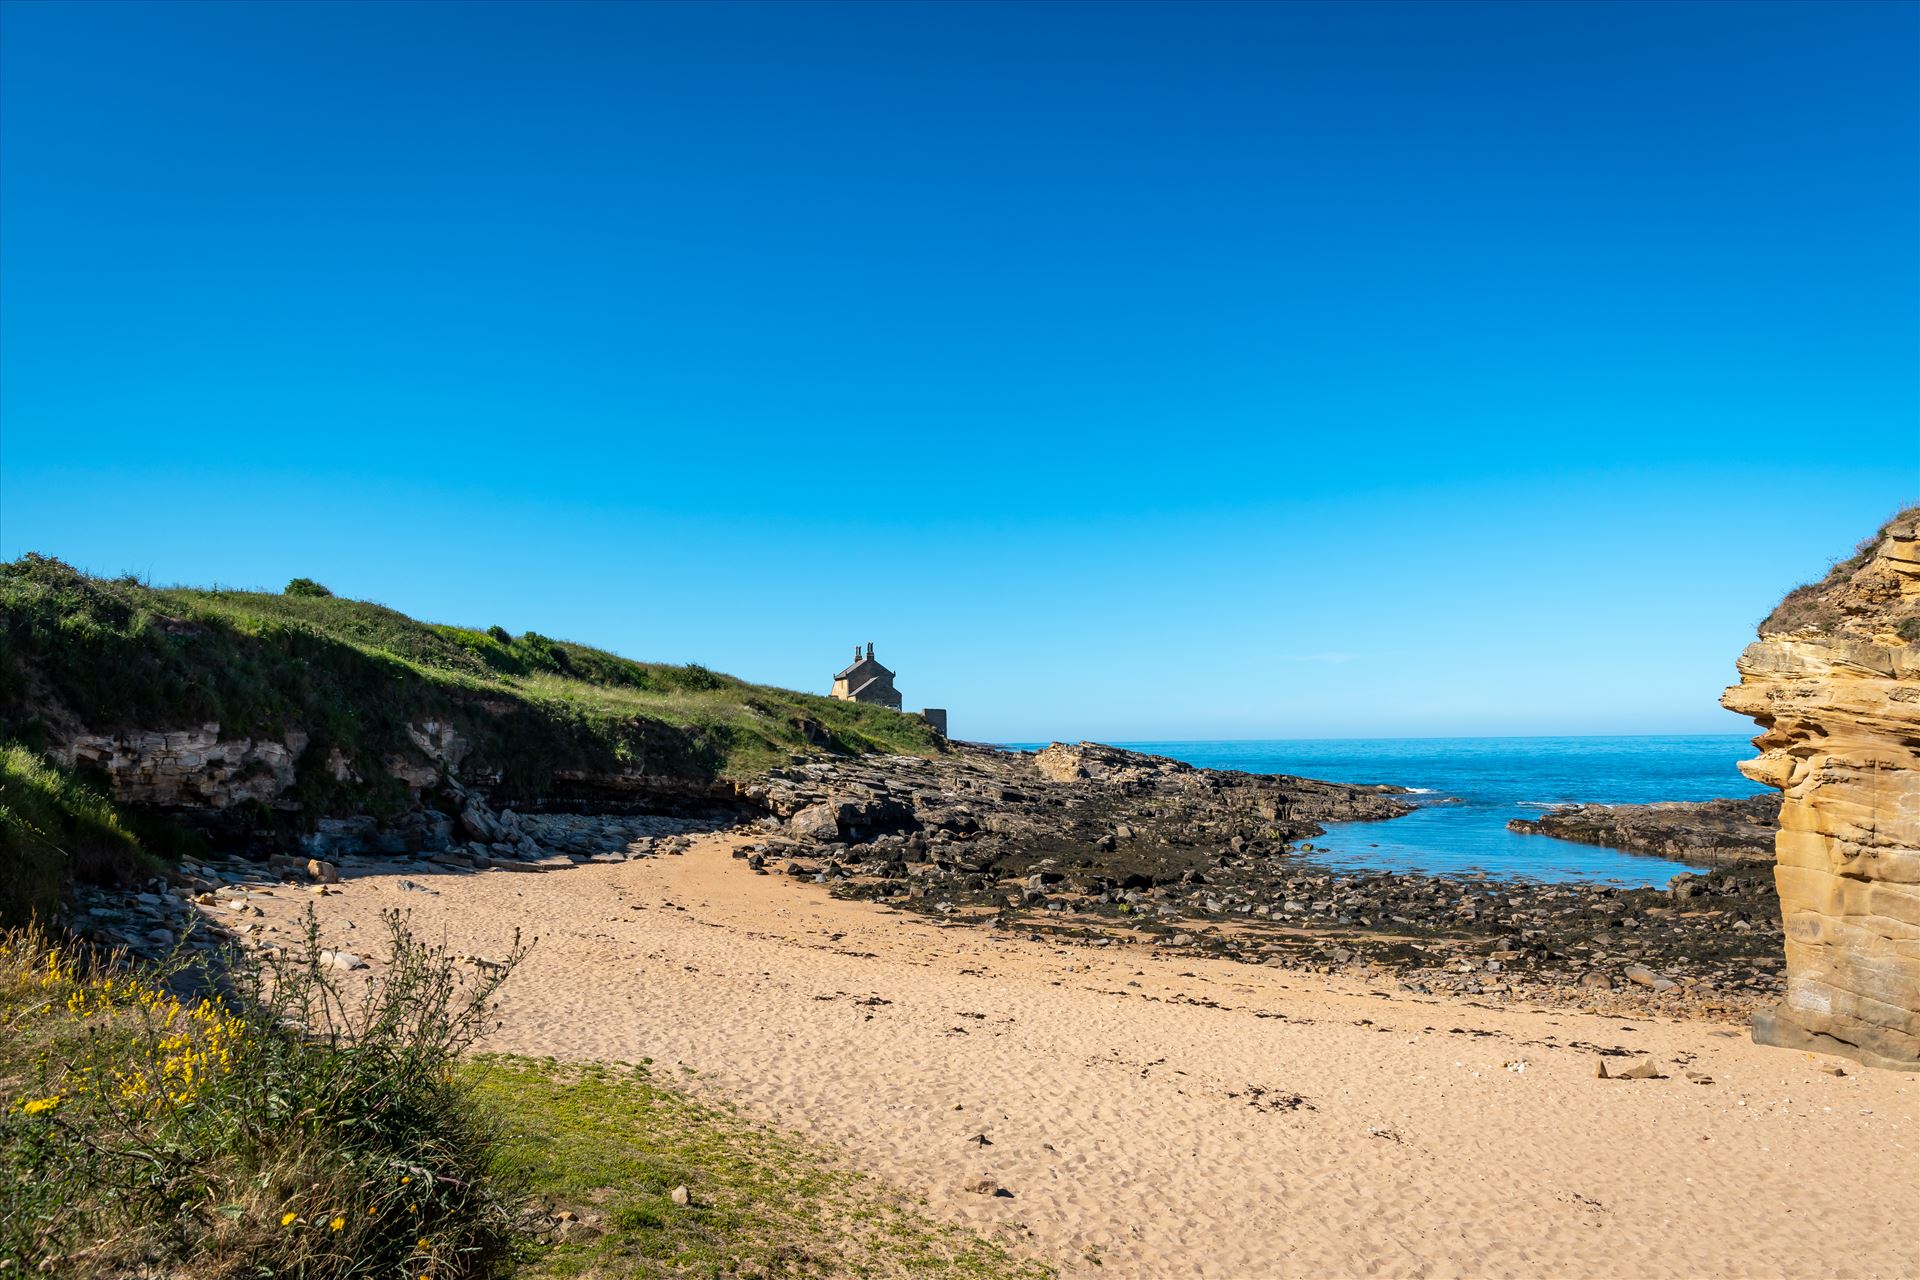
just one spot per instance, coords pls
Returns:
(1134, 372)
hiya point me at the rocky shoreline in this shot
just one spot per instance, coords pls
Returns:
(1088, 846)
(1712, 831)
(1100, 847)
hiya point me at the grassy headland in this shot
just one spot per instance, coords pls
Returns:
(1831, 602)
(117, 655)
(342, 681)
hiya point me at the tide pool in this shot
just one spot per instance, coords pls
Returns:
(1469, 788)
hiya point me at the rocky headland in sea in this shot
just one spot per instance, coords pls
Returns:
(1710, 831)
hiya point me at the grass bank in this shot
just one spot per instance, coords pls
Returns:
(349, 677)
(54, 828)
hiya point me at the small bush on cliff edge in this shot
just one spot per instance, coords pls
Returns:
(1813, 606)
(307, 587)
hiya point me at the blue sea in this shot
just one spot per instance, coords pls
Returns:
(1492, 780)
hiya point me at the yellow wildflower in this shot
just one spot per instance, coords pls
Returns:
(288, 1219)
(338, 1223)
(39, 1105)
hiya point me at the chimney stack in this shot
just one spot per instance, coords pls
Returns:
(869, 651)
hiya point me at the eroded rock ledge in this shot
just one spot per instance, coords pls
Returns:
(1834, 680)
(1082, 805)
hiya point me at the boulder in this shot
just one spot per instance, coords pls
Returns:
(476, 823)
(816, 822)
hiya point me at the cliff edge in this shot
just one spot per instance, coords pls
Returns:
(1834, 681)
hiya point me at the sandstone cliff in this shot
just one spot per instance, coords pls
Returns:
(1834, 680)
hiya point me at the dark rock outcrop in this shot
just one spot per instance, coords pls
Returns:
(1712, 831)
(1106, 811)
(1096, 846)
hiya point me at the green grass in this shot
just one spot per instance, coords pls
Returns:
(351, 675)
(54, 828)
(608, 1144)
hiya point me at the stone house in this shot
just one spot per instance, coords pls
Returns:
(867, 681)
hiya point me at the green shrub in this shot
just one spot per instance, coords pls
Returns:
(541, 653)
(500, 635)
(298, 1126)
(308, 588)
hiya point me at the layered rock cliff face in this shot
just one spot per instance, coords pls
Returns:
(1835, 682)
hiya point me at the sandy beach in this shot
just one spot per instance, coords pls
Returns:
(1165, 1115)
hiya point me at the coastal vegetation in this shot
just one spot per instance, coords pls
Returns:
(350, 675)
(262, 1119)
(1823, 605)
(643, 1180)
(53, 827)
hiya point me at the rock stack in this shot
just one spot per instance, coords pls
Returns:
(1835, 682)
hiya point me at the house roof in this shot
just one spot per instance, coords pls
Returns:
(865, 665)
(864, 686)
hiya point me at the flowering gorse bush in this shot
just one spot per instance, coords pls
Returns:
(152, 1050)
(250, 1116)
